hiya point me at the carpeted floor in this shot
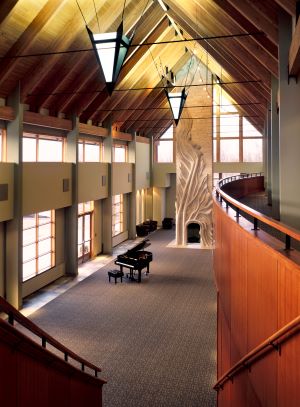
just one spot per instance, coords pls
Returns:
(155, 341)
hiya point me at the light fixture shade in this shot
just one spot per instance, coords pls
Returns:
(111, 49)
(177, 101)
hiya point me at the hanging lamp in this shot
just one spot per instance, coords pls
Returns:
(111, 50)
(176, 101)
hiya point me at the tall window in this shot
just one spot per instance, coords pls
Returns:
(85, 217)
(117, 214)
(119, 153)
(38, 243)
(42, 148)
(89, 151)
(235, 139)
(252, 143)
(164, 147)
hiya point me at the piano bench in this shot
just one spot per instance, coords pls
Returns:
(115, 274)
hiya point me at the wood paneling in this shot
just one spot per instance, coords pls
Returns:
(92, 130)
(47, 121)
(119, 135)
(7, 113)
(258, 293)
(32, 376)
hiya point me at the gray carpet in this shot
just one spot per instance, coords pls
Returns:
(155, 341)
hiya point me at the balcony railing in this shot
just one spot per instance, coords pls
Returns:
(256, 216)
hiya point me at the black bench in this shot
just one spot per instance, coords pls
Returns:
(115, 274)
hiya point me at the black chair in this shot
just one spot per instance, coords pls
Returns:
(142, 230)
(151, 224)
(167, 223)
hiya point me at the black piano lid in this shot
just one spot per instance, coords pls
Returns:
(139, 246)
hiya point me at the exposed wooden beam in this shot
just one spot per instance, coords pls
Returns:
(120, 135)
(235, 68)
(28, 37)
(259, 20)
(227, 57)
(217, 19)
(6, 8)
(288, 5)
(144, 140)
(7, 113)
(86, 81)
(247, 26)
(47, 121)
(294, 54)
(92, 130)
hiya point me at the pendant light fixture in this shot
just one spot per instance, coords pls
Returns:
(111, 50)
(176, 101)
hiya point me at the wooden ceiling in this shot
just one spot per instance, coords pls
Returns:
(39, 40)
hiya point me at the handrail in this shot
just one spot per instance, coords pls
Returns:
(238, 206)
(14, 315)
(273, 342)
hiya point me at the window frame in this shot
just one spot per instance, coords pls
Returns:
(162, 139)
(38, 138)
(123, 146)
(37, 225)
(217, 115)
(115, 213)
(84, 141)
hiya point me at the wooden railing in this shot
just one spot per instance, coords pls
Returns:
(272, 343)
(14, 315)
(288, 231)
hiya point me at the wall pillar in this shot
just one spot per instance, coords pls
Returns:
(275, 149)
(269, 157)
(71, 212)
(107, 203)
(132, 195)
(14, 227)
(289, 123)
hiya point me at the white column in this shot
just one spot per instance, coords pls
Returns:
(275, 149)
(289, 126)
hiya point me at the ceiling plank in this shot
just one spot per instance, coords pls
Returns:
(217, 19)
(259, 20)
(6, 8)
(288, 5)
(294, 53)
(27, 39)
(226, 57)
(247, 26)
(240, 93)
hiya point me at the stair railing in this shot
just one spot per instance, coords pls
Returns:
(13, 315)
(272, 343)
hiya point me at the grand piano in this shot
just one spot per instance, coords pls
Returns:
(135, 259)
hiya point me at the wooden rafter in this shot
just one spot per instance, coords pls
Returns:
(260, 20)
(28, 38)
(6, 8)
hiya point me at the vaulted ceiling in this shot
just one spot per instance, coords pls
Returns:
(46, 48)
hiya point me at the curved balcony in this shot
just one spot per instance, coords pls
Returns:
(258, 282)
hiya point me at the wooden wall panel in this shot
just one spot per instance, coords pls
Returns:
(242, 187)
(258, 293)
(288, 309)
(224, 396)
(238, 248)
(32, 376)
